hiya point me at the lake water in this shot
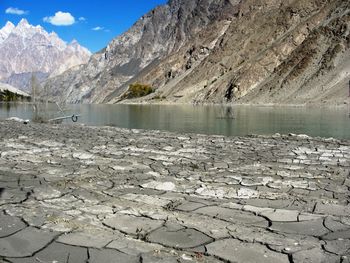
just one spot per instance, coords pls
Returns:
(237, 120)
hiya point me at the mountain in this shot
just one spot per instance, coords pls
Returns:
(9, 93)
(221, 51)
(157, 35)
(26, 49)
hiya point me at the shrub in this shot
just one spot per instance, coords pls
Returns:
(138, 90)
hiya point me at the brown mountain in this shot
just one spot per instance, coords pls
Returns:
(217, 51)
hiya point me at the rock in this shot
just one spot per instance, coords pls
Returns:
(332, 209)
(181, 238)
(110, 255)
(133, 247)
(133, 225)
(342, 234)
(233, 216)
(164, 186)
(340, 247)
(10, 225)
(189, 206)
(25, 242)
(281, 215)
(315, 255)
(311, 228)
(57, 252)
(94, 239)
(236, 251)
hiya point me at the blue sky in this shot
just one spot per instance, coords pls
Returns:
(92, 22)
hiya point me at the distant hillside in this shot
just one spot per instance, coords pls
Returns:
(24, 45)
(9, 93)
(221, 51)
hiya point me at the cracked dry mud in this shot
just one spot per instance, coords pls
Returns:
(83, 194)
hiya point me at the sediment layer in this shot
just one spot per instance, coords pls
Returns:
(102, 194)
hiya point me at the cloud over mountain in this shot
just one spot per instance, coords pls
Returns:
(15, 11)
(60, 19)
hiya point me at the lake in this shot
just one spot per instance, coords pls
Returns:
(221, 120)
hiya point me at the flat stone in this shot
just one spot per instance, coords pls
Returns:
(11, 196)
(235, 251)
(179, 238)
(133, 247)
(335, 225)
(246, 193)
(110, 255)
(46, 192)
(332, 209)
(83, 156)
(310, 228)
(158, 257)
(340, 247)
(315, 255)
(151, 200)
(25, 242)
(281, 215)
(276, 241)
(133, 225)
(10, 225)
(58, 253)
(165, 186)
(95, 239)
(189, 206)
(232, 215)
(342, 234)
(309, 216)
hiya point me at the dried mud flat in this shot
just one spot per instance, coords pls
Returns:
(82, 194)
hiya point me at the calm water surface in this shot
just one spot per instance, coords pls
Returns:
(237, 120)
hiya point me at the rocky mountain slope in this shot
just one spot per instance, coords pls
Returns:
(26, 49)
(157, 35)
(5, 87)
(220, 51)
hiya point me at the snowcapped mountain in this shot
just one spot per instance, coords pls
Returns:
(26, 48)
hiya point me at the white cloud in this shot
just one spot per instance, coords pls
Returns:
(98, 28)
(81, 18)
(15, 11)
(60, 19)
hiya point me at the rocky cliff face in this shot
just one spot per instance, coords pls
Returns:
(281, 52)
(25, 49)
(217, 51)
(157, 35)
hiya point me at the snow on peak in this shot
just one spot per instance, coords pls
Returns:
(23, 23)
(6, 31)
(23, 45)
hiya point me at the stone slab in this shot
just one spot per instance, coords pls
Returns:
(58, 253)
(235, 251)
(310, 228)
(10, 225)
(179, 238)
(133, 225)
(25, 242)
(110, 255)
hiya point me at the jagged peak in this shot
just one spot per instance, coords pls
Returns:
(74, 42)
(23, 23)
(6, 30)
(8, 27)
(9, 24)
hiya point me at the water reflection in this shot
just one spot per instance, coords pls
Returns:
(238, 120)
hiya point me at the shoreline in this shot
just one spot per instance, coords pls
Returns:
(168, 103)
(344, 104)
